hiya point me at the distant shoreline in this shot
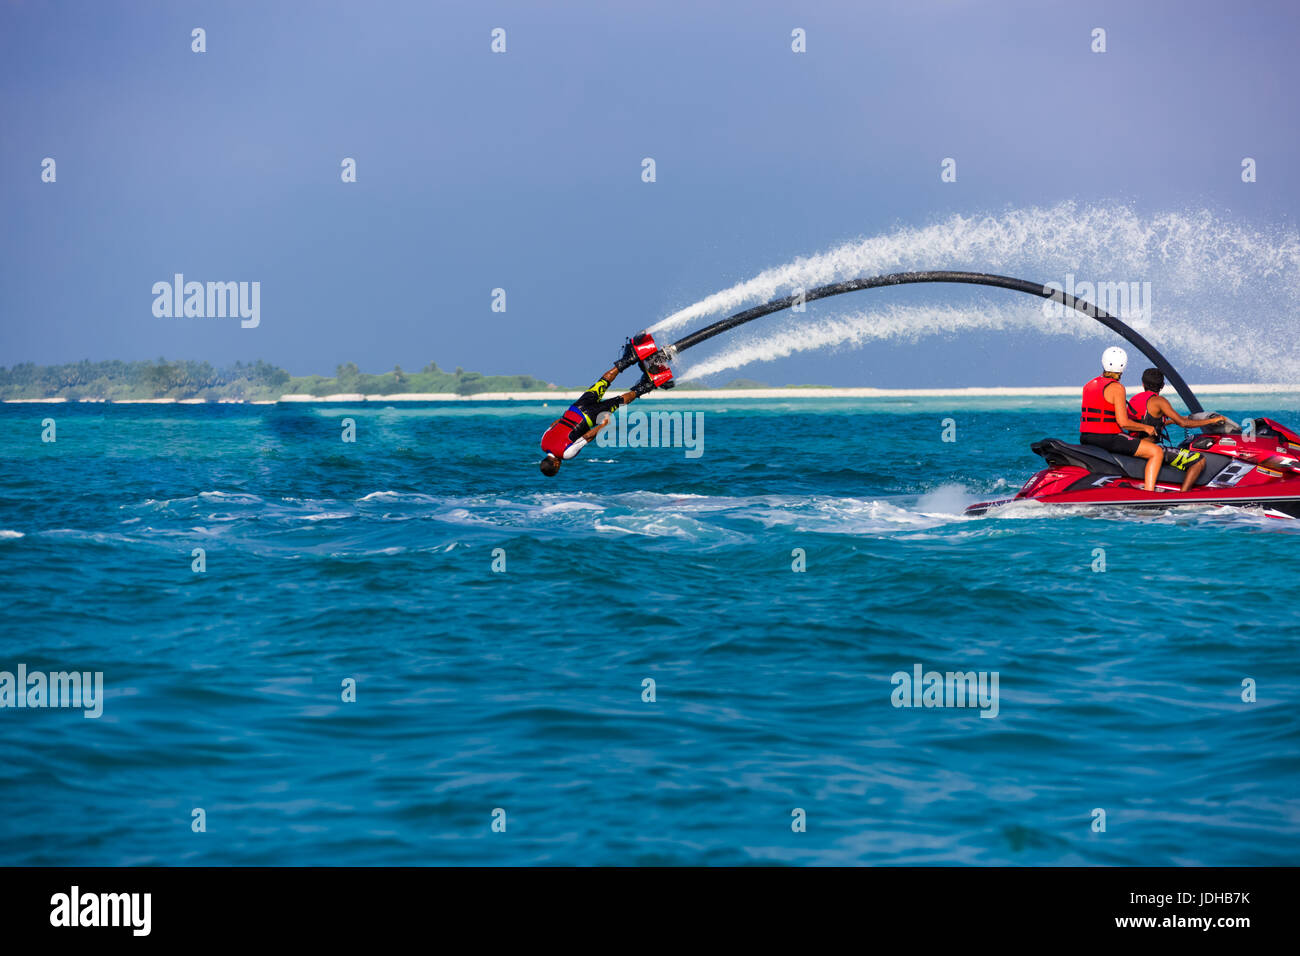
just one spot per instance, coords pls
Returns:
(1061, 391)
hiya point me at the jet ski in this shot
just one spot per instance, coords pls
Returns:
(1255, 466)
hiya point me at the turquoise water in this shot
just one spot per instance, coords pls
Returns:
(522, 690)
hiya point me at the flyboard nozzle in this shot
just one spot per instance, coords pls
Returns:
(644, 346)
(653, 360)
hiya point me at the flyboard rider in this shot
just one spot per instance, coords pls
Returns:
(591, 412)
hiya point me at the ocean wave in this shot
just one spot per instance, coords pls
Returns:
(711, 520)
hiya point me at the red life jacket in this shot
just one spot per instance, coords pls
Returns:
(1137, 407)
(555, 440)
(1098, 415)
(1139, 411)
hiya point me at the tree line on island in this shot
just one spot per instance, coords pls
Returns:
(252, 381)
(247, 381)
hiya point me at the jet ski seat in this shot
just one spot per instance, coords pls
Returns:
(1101, 462)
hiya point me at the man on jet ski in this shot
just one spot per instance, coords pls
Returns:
(1105, 420)
(1149, 407)
(588, 415)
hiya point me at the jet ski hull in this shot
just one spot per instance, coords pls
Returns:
(1258, 470)
(1276, 503)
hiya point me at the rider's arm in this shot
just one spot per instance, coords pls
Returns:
(1121, 411)
(608, 406)
(1162, 406)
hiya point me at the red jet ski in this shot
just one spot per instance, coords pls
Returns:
(1254, 467)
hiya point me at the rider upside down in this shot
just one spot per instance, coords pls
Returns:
(580, 423)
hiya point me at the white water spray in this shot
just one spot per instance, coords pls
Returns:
(900, 323)
(1222, 294)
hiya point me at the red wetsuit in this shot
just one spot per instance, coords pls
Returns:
(578, 419)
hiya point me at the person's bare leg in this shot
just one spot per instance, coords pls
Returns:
(1192, 474)
(1155, 456)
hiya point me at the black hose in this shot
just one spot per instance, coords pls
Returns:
(969, 278)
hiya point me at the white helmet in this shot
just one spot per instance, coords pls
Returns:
(1114, 359)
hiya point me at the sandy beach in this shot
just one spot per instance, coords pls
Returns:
(684, 394)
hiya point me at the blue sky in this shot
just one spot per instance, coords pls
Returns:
(522, 170)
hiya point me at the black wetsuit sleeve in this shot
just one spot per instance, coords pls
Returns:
(594, 409)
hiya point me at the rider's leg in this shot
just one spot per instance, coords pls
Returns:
(1155, 456)
(1192, 474)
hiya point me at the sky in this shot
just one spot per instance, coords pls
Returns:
(522, 170)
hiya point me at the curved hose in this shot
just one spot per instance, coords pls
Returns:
(968, 278)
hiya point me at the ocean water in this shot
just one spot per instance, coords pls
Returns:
(518, 695)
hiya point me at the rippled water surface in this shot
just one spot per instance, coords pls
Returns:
(522, 690)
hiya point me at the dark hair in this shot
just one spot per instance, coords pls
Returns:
(1153, 380)
(550, 466)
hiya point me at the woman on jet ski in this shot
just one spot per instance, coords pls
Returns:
(1105, 420)
(1151, 408)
